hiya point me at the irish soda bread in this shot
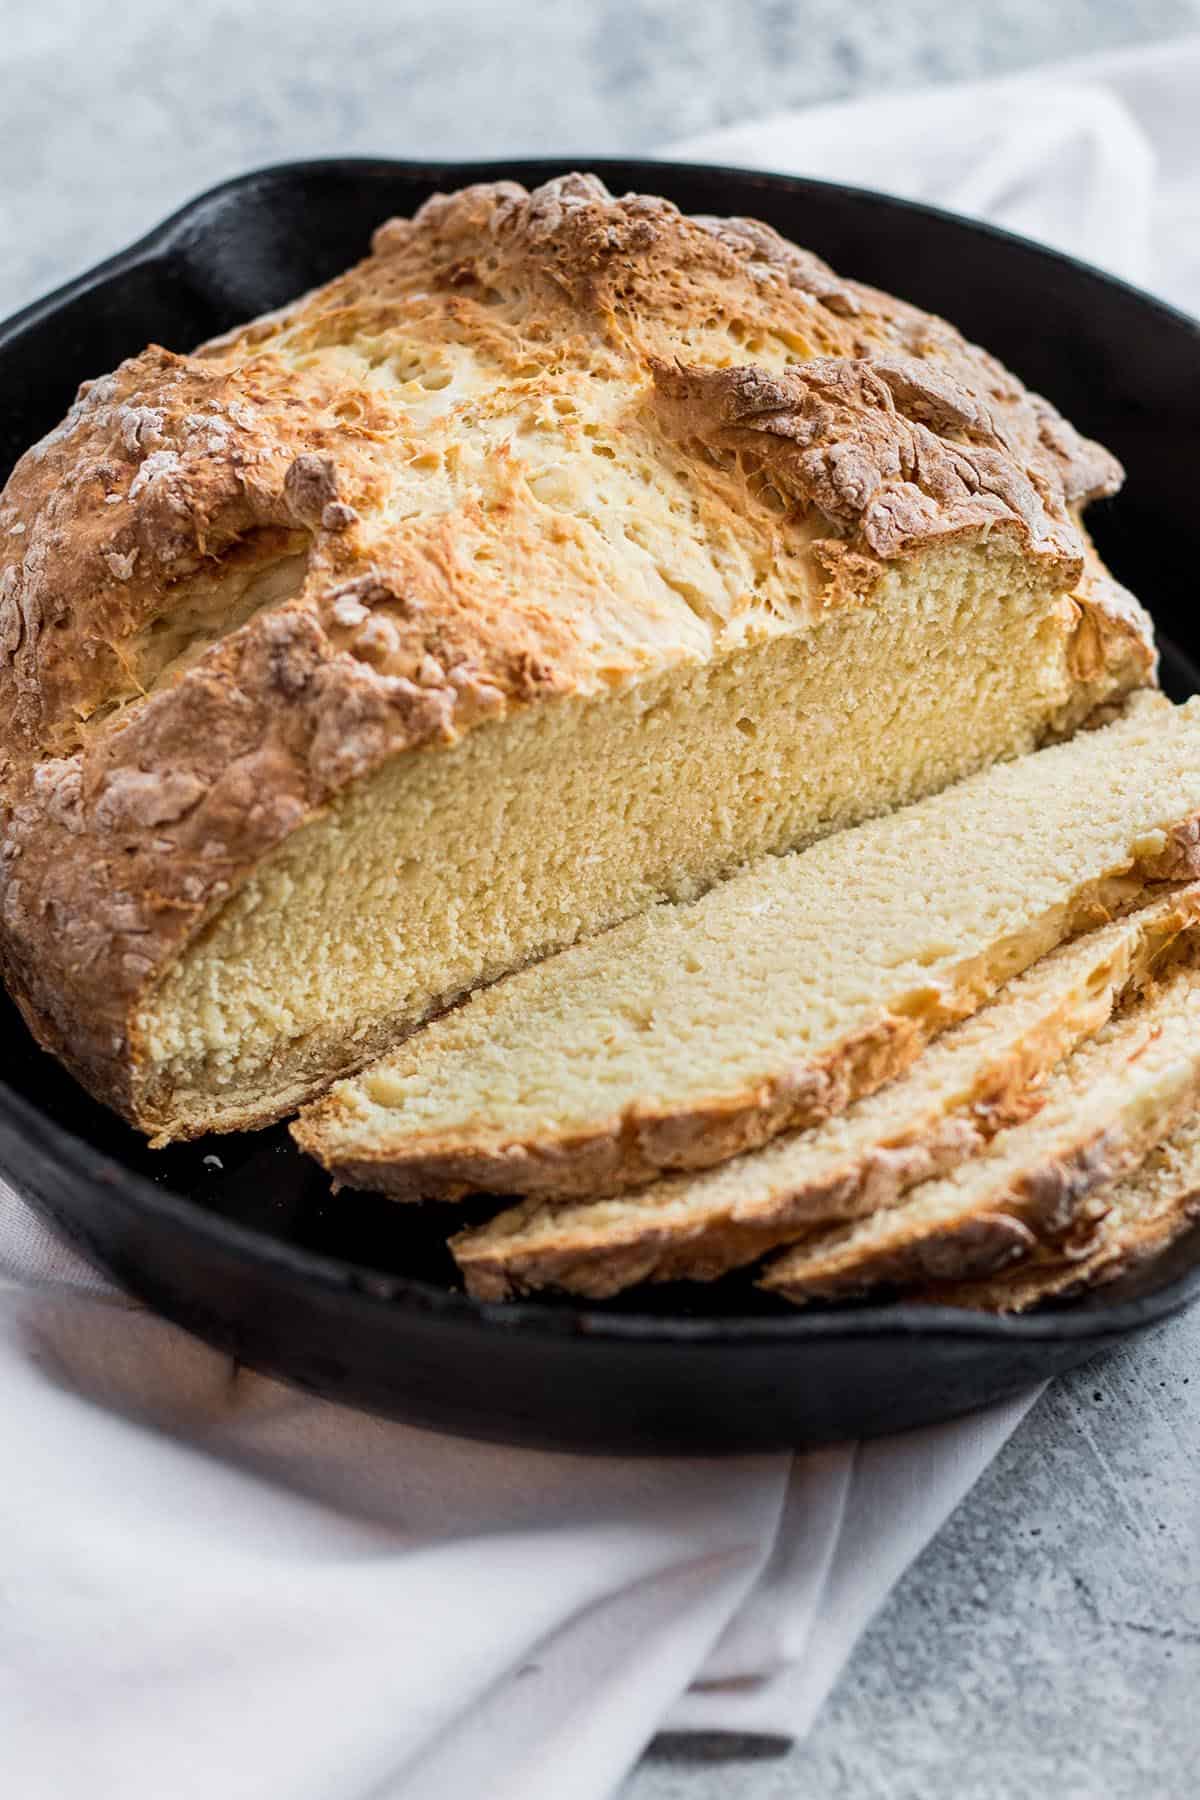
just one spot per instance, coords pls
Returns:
(552, 562)
(977, 1078)
(696, 1031)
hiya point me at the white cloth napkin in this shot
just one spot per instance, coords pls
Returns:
(1099, 156)
(211, 1584)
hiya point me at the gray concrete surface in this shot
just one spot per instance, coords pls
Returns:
(1049, 1641)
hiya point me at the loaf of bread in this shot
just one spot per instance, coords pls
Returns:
(697, 1031)
(1138, 1219)
(552, 562)
(1112, 1100)
(977, 1078)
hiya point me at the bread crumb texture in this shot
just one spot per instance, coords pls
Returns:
(694, 1031)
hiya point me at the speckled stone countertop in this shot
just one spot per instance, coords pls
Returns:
(1049, 1641)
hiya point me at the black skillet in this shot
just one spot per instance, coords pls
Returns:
(357, 1298)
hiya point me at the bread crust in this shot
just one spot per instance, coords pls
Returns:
(1122, 1229)
(136, 801)
(1103, 1251)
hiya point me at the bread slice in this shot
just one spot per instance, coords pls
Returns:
(558, 558)
(695, 1032)
(1102, 1110)
(977, 1078)
(1142, 1216)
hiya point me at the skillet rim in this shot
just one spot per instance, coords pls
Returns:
(23, 1123)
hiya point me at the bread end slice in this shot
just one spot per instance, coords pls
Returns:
(1141, 1217)
(1107, 1106)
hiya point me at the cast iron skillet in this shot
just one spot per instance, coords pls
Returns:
(357, 1298)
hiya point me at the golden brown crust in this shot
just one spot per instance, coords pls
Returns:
(1046, 1201)
(140, 787)
(1121, 1229)
(1102, 1250)
(895, 453)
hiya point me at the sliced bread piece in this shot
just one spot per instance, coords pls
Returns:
(696, 1031)
(1111, 1100)
(979, 1077)
(1144, 1214)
